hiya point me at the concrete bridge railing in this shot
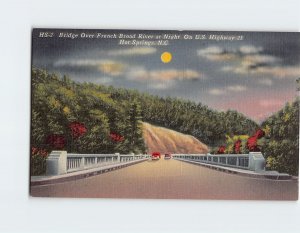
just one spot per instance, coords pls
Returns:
(254, 161)
(61, 162)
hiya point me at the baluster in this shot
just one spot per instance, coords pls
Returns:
(82, 165)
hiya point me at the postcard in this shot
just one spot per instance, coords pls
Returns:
(164, 114)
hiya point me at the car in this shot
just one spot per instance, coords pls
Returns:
(168, 156)
(155, 155)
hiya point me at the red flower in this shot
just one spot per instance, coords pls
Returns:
(38, 151)
(116, 137)
(56, 141)
(237, 146)
(259, 133)
(252, 141)
(77, 129)
(34, 150)
(221, 150)
(43, 153)
(252, 144)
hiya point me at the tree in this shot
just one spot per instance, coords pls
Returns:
(134, 139)
(281, 147)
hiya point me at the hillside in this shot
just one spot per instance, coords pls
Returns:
(165, 140)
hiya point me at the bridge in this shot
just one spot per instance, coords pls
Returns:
(185, 176)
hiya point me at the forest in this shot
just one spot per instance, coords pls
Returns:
(91, 118)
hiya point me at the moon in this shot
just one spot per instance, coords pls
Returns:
(166, 57)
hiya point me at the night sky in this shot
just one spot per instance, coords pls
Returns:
(255, 76)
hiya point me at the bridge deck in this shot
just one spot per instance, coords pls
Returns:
(171, 179)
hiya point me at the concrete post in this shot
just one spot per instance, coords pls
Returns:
(118, 159)
(56, 163)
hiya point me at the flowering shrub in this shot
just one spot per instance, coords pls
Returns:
(252, 141)
(77, 129)
(116, 137)
(259, 134)
(38, 161)
(39, 152)
(221, 150)
(237, 146)
(56, 141)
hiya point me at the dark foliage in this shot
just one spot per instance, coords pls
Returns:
(281, 147)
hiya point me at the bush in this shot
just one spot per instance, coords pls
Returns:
(38, 161)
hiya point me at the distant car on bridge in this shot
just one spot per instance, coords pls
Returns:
(168, 156)
(155, 156)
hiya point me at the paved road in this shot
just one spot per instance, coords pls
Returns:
(171, 179)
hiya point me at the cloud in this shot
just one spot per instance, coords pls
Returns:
(216, 91)
(228, 89)
(257, 59)
(132, 51)
(251, 60)
(104, 80)
(274, 71)
(112, 68)
(280, 71)
(216, 53)
(236, 88)
(266, 82)
(142, 74)
(250, 49)
(109, 67)
(161, 85)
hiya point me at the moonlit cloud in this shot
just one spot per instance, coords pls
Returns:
(215, 53)
(249, 59)
(227, 90)
(250, 49)
(132, 51)
(109, 67)
(216, 91)
(162, 85)
(237, 88)
(141, 74)
(218, 54)
(104, 80)
(280, 71)
(266, 82)
(112, 68)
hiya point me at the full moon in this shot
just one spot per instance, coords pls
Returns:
(166, 57)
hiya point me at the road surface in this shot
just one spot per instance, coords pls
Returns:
(171, 179)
